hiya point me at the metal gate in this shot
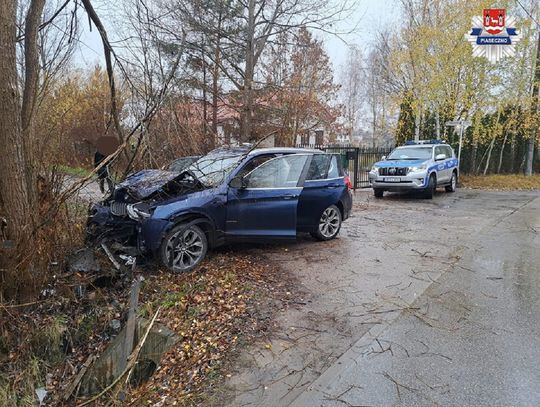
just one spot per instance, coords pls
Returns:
(357, 160)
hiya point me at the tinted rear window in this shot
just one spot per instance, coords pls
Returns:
(336, 169)
(325, 166)
(318, 169)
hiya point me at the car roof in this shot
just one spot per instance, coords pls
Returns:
(419, 145)
(284, 150)
(261, 151)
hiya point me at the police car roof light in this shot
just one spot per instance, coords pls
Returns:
(413, 142)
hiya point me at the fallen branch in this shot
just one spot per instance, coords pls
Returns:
(75, 382)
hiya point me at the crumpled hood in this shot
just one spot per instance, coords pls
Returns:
(144, 183)
(399, 163)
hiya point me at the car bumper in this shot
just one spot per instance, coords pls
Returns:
(102, 225)
(146, 236)
(412, 181)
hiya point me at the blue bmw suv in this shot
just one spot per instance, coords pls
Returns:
(229, 195)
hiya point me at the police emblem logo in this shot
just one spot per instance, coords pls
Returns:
(493, 35)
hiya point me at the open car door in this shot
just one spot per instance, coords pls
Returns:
(266, 204)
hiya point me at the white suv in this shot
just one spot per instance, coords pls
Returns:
(422, 166)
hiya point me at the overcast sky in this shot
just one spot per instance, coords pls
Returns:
(369, 16)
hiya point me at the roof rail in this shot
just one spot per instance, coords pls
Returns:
(413, 142)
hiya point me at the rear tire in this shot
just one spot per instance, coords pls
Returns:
(378, 193)
(329, 224)
(188, 245)
(432, 186)
(453, 183)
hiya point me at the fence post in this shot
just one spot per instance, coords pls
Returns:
(356, 157)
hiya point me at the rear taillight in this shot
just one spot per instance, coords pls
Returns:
(348, 182)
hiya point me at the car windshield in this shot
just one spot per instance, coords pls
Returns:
(411, 153)
(213, 168)
(180, 164)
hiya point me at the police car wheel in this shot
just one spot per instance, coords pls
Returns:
(329, 224)
(453, 183)
(378, 193)
(430, 190)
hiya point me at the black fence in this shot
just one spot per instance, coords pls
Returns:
(358, 160)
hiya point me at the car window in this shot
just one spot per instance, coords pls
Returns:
(254, 163)
(441, 150)
(449, 151)
(318, 168)
(411, 153)
(213, 168)
(334, 171)
(180, 164)
(280, 172)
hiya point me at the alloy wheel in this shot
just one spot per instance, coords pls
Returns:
(185, 249)
(329, 222)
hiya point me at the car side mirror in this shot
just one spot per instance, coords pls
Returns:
(238, 183)
(440, 157)
(383, 158)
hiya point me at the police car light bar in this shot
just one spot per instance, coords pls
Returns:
(413, 142)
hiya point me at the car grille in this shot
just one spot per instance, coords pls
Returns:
(393, 171)
(118, 208)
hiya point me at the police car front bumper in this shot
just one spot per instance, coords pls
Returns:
(411, 181)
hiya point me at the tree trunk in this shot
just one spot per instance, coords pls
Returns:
(489, 156)
(438, 123)
(474, 153)
(247, 108)
(513, 153)
(501, 154)
(534, 108)
(205, 101)
(417, 122)
(373, 124)
(215, 88)
(16, 200)
(31, 81)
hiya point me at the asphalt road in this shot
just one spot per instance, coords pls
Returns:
(419, 303)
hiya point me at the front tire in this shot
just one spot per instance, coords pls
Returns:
(453, 183)
(378, 193)
(329, 224)
(183, 248)
(432, 186)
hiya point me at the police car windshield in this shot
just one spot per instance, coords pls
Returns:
(411, 153)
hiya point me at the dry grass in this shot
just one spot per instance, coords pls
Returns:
(501, 182)
(215, 310)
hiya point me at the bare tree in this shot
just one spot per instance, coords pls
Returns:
(535, 110)
(17, 180)
(353, 80)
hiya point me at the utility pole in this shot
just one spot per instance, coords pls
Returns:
(534, 110)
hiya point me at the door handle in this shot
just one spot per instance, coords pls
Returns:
(333, 186)
(290, 196)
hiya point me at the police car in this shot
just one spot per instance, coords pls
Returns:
(417, 166)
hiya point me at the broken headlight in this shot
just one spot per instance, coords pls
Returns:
(139, 211)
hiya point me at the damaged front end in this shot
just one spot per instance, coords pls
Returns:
(116, 221)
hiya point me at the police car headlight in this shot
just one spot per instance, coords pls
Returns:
(418, 168)
(375, 168)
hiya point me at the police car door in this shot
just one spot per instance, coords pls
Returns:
(451, 162)
(443, 174)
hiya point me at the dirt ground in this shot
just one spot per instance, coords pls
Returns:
(351, 291)
(387, 255)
